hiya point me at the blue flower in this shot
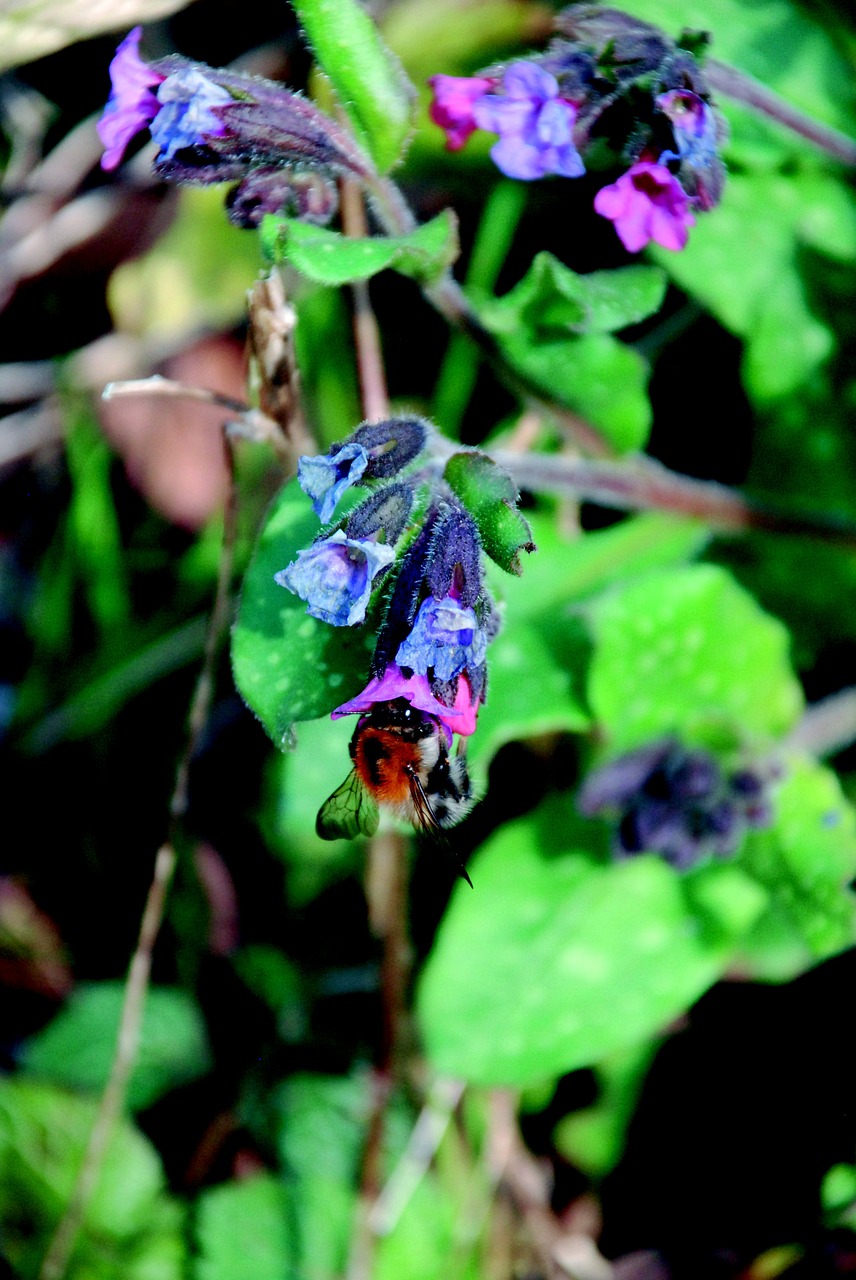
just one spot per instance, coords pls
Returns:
(535, 125)
(325, 479)
(187, 111)
(335, 575)
(446, 639)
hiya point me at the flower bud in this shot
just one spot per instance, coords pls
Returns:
(489, 495)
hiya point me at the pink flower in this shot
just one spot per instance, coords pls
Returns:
(460, 718)
(647, 203)
(132, 105)
(452, 106)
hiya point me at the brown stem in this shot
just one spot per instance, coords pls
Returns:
(373, 390)
(112, 1099)
(643, 484)
(827, 726)
(743, 88)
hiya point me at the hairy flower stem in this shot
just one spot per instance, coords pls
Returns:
(645, 485)
(743, 88)
(112, 1102)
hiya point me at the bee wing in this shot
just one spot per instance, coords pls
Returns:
(350, 811)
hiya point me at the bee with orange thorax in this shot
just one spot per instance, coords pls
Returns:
(402, 761)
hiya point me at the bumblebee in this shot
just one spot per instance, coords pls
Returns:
(401, 760)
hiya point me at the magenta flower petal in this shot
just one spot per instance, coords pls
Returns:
(132, 105)
(461, 718)
(647, 203)
(393, 684)
(452, 105)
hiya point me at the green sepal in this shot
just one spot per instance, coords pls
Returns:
(489, 495)
(330, 258)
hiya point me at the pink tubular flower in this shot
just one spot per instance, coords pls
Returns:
(647, 203)
(132, 105)
(460, 718)
(452, 105)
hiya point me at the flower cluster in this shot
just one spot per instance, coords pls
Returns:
(213, 125)
(680, 803)
(609, 86)
(409, 559)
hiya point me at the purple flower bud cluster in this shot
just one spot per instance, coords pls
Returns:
(213, 125)
(666, 798)
(610, 83)
(414, 543)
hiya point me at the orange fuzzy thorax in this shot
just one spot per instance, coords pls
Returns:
(385, 764)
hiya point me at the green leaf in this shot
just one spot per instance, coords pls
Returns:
(593, 374)
(551, 301)
(805, 861)
(321, 1135)
(131, 1228)
(491, 498)
(367, 78)
(289, 666)
(241, 1231)
(330, 258)
(687, 651)
(77, 1048)
(553, 328)
(593, 1138)
(555, 962)
(575, 568)
(530, 693)
(745, 265)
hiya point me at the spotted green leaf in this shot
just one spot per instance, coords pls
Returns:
(688, 651)
(806, 862)
(288, 666)
(556, 961)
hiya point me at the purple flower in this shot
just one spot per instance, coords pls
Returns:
(647, 203)
(324, 479)
(132, 105)
(452, 105)
(459, 718)
(335, 575)
(535, 125)
(187, 115)
(446, 639)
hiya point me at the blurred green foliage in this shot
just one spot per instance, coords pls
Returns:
(560, 959)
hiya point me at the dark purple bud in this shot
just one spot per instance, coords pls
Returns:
(617, 783)
(678, 803)
(694, 776)
(310, 195)
(454, 561)
(390, 445)
(405, 599)
(384, 514)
